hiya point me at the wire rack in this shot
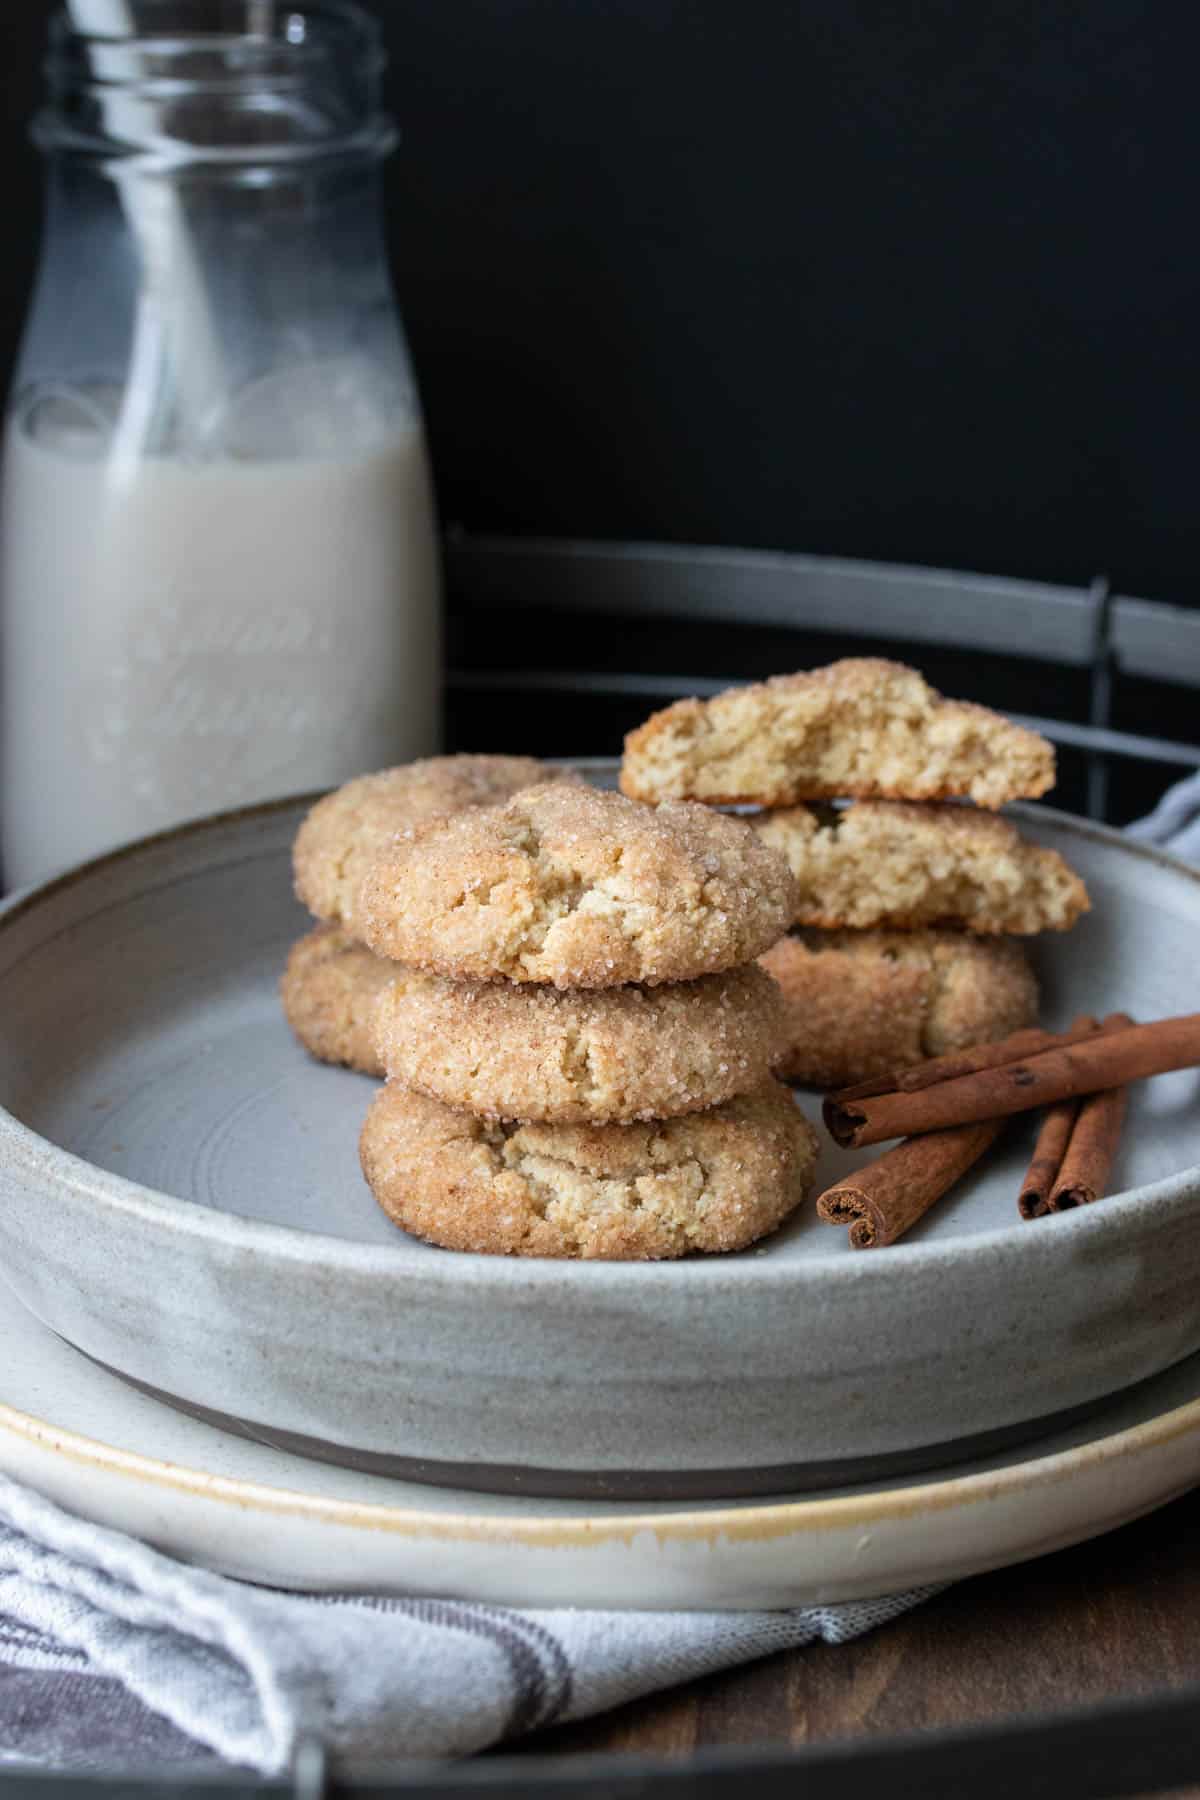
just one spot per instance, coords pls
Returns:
(1104, 637)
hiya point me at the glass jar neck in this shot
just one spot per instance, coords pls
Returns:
(253, 84)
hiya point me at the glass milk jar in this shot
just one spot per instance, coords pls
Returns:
(219, 568)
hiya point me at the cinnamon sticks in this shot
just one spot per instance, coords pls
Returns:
(1069, 1066)
(1091, 1152)
(1041, 1178)
(1075, 1149)
(884, 1200)
(950, 1109)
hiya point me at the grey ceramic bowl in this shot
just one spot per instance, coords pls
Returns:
(180, 1197)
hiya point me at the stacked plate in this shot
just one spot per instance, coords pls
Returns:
(180, 1200)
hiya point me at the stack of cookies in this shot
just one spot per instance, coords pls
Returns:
(560, 986)
(332, 981)
(910, 904)
(579, 1044)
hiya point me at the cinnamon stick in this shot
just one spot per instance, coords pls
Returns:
(1075, 1148)
(1053, 1138)
(1048, 1153)
(1107, 1059)
(965, 1062)
(884, 1200)
(1091, 1151)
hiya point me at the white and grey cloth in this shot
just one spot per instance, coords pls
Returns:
(1174, 824)
(111, 1653)
(114, 1655)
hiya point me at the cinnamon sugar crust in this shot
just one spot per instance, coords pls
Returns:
(579, 889)
(345, 831)
(710, 1181)
(905, 865)
(508, 1051)
(330, 989)
(859, 728)
(865, 1003)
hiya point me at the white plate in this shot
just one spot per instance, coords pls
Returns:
(180, 1196)
(96, 1446)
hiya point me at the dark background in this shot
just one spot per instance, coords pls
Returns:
(915, 282)
(909, 282)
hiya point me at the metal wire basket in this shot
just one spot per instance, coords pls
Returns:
(520, 606)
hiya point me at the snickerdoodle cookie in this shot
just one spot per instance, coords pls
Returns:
(862, 1003)
(330, 990)
(517, 1051)
(861, 727)
(577, 888)
(708, 1181)
(344, 831)
(901, 864)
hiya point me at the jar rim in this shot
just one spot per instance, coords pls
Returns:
(294, 25)
(183, 86)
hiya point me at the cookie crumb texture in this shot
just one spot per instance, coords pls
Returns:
(865, 1003)
(862, 727)
(345, 831)
(579, 889)
(903, 865)
(523, 1052)
(715, 1180)
(330, 989)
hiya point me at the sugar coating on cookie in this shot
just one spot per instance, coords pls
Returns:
(864, 1003)
(330, 989)
(714, 1180)
(579, 889)
(902, 864)
(518, 1051)
(862, 727)
(344, 832)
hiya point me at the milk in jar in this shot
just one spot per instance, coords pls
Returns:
(180, 639)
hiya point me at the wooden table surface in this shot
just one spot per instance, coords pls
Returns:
(1119, 1616)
